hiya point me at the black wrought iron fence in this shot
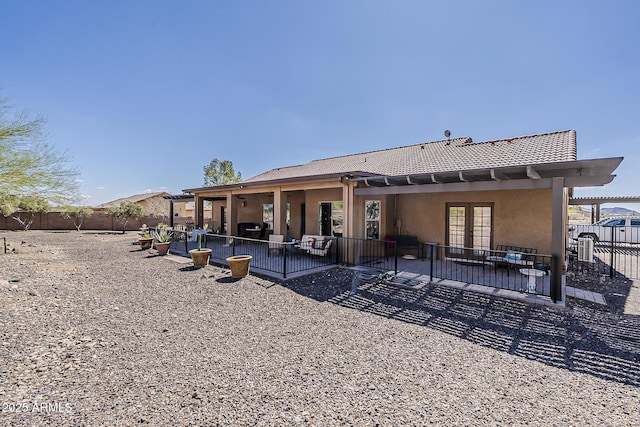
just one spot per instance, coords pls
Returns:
(510, 270)
(522, 272)
(376, 254)
(613, 258)
(283, 258)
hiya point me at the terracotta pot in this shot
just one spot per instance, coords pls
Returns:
(200, 257)
(162, 247)
(239, 265)
(145, 243)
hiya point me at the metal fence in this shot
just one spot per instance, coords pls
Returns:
(610, 258)
(529, 273)
(510, 270)
(282, 258)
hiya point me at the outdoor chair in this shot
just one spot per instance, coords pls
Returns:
(323, 250)
(263, 231)
(276, 243)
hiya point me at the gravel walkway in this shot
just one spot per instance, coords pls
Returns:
(98, 332)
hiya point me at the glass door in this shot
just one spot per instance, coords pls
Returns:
(469, 229)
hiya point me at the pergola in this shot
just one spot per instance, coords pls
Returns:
(595, 203)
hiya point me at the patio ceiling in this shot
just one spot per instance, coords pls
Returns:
(580, 173)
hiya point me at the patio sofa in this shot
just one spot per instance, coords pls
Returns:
(315, 244)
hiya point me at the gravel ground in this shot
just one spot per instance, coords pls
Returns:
(98, 332)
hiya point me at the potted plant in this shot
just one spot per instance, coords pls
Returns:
(145, 241)
(201, 255)
(162, 239)
(239, 265)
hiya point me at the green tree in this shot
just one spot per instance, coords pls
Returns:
(29, 167)
(220, 173)
(125, 212)
(31, 205)
(77, 214)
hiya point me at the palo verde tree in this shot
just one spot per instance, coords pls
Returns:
(125, 212)
(30, 205)
(77, 214)
(30, 169)
(219, 172)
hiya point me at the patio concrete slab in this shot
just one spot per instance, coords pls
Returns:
(487, 290)
(594, 297)
(178, 258)
(632, 305)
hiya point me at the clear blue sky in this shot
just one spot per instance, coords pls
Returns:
(143, 94)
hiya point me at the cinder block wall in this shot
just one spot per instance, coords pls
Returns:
(97, 221)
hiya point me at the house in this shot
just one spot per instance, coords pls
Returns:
(153, 204)
(182, 210)
(456, 192)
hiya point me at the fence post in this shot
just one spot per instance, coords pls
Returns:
(431, 255)
(613, 232)
(556, 279)
(396, 257)
(285, 248)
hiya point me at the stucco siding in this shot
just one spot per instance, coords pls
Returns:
(520, 218)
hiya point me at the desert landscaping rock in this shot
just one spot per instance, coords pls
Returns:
(99, 332)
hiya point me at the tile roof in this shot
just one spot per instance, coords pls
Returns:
(457, 154)
(135, 198)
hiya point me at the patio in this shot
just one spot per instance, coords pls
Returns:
(286, 261)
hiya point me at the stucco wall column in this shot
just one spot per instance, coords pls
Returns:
(280, 212)
(232, 215)
(196, 209)
(199, 207)
(558, 215)
(347, 201)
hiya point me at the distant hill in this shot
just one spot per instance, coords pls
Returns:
(618, 211)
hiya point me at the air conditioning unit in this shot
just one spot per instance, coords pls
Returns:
(585, 249)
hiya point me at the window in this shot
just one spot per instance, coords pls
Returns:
(267, 215)
(372, 218)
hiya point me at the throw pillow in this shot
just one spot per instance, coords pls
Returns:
(513, 255)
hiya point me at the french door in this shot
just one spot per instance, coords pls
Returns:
(469, 229)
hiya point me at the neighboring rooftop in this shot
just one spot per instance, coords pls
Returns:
(456, 154)
(132, 199)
